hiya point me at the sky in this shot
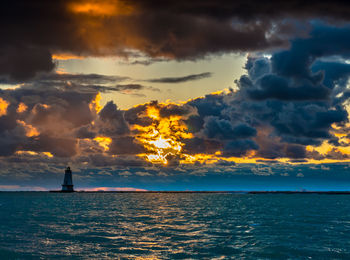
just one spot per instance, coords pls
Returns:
(175, 95)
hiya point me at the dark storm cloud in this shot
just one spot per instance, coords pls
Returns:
(215, 128)
(85, 132)
(335, 73)
(250, 9)
(283, 104)
(180, 30)
(276, 87)
(306, 123)
(102, 160)
(194, 123)
(23, 63)
(295, 151)
(57, 146)
(125, 146)
(181, 79)
(135, 115)
(199, 145)
(173, 110)
(296, 63)
(11, 140)
(210, 105)
(112, 121)
(64, 108)
(239, 148)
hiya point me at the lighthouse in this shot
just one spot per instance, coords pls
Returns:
(67, 185)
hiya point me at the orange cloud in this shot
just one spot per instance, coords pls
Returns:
(95, 104)
(66, 56)
(3, 107)
(27, 153)
(100, 8)
(103, 141)
(30, 130)
(32, 153)
(48, 154)
(21, 108)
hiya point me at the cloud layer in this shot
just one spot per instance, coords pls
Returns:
(159, 29)
(291, 105)
(285, 107)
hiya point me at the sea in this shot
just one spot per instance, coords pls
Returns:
(43, 225)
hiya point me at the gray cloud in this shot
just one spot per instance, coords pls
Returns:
(81, 79)
(173, 80)
(85, 83)
(128, 89)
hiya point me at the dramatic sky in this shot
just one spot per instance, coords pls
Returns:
(175, 95)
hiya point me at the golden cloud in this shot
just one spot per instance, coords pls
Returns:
(100, 8)
(3, 107)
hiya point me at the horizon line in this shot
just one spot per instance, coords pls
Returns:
(200, 191)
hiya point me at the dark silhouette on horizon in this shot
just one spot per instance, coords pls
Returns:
(67, 185)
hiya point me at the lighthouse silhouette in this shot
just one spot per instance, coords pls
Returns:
(67, 185)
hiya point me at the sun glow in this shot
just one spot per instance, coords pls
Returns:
(95, 104)
(103, 141)
(161, 143)
(162, 139)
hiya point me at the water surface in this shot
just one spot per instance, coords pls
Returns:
(36, 225)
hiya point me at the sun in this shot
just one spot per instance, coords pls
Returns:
(163, 138)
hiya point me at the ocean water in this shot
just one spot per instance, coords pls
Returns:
(39, 225)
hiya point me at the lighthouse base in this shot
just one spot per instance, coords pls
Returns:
(67, 188)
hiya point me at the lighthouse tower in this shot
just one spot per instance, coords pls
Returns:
(67, 185)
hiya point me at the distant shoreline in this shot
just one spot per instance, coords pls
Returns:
(225, 192)
(213, 192)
